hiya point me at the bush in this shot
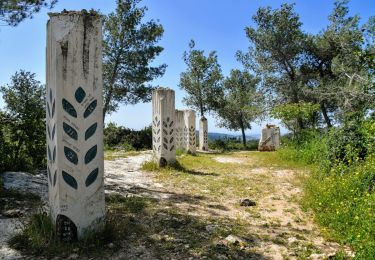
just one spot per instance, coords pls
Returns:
(310, 149)
(342, 191)
(344, 203)
(119, 137)
(347, 144)
(232, 145)
(22, 124)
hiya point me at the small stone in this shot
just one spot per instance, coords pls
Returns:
(247, 203)
(187, 246)
(111, 245)
(13, 213)
(222, 257)
(317, 256)
(75, 250)
(73, 256)
(232, 239)
(211, 228)
(291, 240)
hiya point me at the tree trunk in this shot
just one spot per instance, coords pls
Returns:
(107, 101)
(325, 115)
(243, 132)
(243, 137)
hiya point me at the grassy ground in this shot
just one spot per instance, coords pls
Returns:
(200, 216)
(111, 155)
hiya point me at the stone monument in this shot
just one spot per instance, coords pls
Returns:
(189, 131)
(203, 134)
(179, 130)
(270, 138)
(163, 126)
(75, 123)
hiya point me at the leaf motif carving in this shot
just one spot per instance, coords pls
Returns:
(54, 178)
(69, 179)
(70, 131)
(48, 110)
(80, 94)
(54, 154)
(49, 175)
(90, 109)
(90, 131)
(53, 132)
(69, 108)
(90, 155)
(92, 177)
(48, 132)
(53, 108)
(50, 95)
(71, 155)
(49, 153)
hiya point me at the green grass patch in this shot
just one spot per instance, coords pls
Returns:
(111, 155)
(344, 205)
(342, 195)
(38, 236)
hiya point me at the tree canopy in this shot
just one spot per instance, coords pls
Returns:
(201, 80)
(128, 51)
(12, 12)
(242, 103)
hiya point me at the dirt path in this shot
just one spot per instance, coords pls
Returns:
(196, 213)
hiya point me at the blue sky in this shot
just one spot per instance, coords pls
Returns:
(213, 24)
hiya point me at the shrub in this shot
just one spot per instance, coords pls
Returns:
(344, 204)
(22, 124)
(128, 139)
(347, 144)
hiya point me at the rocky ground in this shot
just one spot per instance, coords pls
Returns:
(224, 207)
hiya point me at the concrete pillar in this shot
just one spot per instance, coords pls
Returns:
(179, 130)
(270, 138)
(189, 131)
(203, 134)
(163, 126)
(277, 138)
(75, 163)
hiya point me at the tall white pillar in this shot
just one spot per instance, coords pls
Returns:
(189, 131)
(163, 126)
(75, 123)
(203, 134)
(179, 130)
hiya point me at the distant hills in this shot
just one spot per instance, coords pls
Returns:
(216, 136)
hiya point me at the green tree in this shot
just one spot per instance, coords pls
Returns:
(242, 103)
(25, 120)
(276, 53)
(12, 12)
(129, 48)
(202, 79)
(336, 77)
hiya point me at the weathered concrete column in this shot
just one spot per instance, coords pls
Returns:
(75, 123)
(179, 130)
(203, 134)
(163, 126)
(270, 138)
(189, 131)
